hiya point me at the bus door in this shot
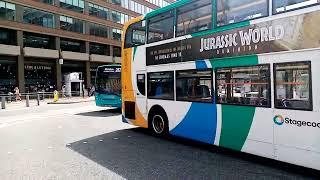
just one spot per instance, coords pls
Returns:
(141, 92)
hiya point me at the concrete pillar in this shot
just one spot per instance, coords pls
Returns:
(87, 28)
(58, 65)
(58, 75)
(111, 50)
(57, 43)
(86, 7)
(19, 13)
(87, 74)
(57, 3)
(21, 77)
(87, 47)
(111, 54)
(57, 20)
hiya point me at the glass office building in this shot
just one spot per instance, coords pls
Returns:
(43, 40)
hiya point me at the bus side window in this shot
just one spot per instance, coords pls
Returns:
(161, 27)
(141, 83)
(248, 86)
(194, 17)
(194, 85)
(161, 85)
(293, 88)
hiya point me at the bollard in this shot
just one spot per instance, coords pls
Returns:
(38, 99)
(27, 101)
(3, 102)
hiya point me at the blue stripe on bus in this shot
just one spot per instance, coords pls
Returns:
(201, 64)
(200, 123)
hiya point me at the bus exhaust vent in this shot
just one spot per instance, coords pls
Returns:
(130, 110)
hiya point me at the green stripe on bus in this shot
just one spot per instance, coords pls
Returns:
(236, 120)
(223, 28)
(236, 124)
(249, 60)
(134, 53)
(167, 8)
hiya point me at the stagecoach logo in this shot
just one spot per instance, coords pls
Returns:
(280, 120)
(242, 38)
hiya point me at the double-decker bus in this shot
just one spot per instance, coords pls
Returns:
(236, 74)
(108, 86)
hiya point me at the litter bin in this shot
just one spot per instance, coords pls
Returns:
(55, 96)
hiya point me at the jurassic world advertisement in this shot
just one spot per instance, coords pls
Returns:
(286, 34)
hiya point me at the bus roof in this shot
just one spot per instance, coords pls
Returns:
(167, 8)
(157, 11)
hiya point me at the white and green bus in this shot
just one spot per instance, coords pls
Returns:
(237, 74)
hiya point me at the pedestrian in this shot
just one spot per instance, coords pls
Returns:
(83, 87)
(17, 93)
(63, 91)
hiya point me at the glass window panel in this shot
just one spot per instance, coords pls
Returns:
(194, 85)
(141, 83)
(11, 6)
(74, 5)
(160, 85)
(2, 4)
(194, 17)
(244, 86)
(34, 16)
(161, 27)
(70, 24)
(232, 11)
(293, 86)
(282, 6)
(100, 49)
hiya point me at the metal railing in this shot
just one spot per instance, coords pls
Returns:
(39, 96)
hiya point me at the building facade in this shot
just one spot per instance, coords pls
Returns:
(42, 40)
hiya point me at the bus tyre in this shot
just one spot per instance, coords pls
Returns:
(159, 124)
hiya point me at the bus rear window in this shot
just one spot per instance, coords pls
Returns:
(293, 86)
(135, 35)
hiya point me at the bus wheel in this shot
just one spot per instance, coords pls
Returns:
(159, 124)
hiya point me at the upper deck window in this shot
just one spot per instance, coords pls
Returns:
(282, 6)
(136, 34)
(233, 11)
(194, 17)
(161, 27)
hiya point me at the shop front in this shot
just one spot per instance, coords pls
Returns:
(39, 76)
(8, 74)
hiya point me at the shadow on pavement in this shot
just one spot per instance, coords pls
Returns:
(135, 154)
(103, 113)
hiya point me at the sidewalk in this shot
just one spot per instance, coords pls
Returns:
(72, 100)
(46, 102)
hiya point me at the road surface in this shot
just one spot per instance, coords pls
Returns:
(81, 141)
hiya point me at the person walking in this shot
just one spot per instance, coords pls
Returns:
(63, 91)
(17, 93)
